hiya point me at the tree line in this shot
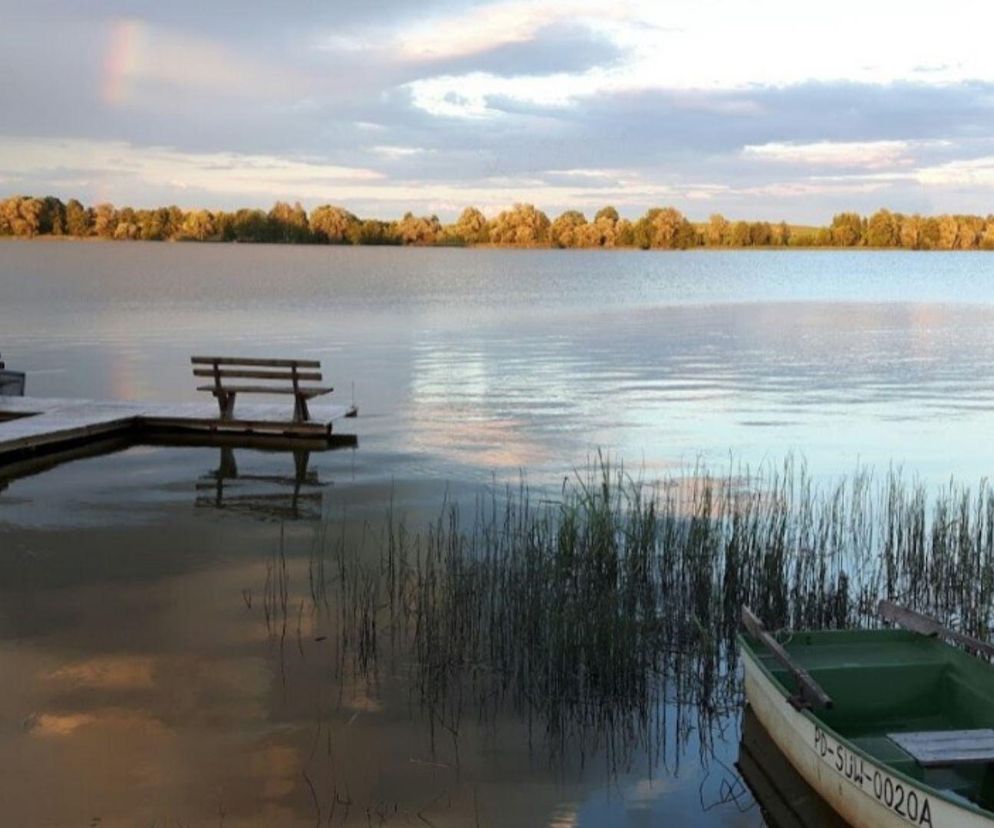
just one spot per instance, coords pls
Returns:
(524, 225)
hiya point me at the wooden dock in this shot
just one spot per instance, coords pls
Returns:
(31, 427)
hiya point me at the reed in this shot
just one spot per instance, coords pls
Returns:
(605, 616)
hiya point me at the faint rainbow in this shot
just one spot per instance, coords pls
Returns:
(126, 47)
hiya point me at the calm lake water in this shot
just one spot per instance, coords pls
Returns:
(143, 682)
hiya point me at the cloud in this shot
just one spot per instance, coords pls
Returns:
(872, 155)
(392, 152)
(225, 172)
(485, 28)
(567, 103)
(143, 63)
(556, 49)
(973, 172)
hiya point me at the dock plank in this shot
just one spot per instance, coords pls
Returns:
(39, 425)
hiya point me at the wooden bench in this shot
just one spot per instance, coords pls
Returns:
(283, 375)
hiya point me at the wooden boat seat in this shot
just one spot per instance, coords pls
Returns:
(942, 748)
(887, 751)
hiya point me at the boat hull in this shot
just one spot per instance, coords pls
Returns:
(862, 790)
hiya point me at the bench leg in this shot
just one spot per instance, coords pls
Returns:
(300, 412)
(301, 457)
(226, 402)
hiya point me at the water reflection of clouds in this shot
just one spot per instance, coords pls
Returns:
(666, 383)
(178, 696)
(107, 672)
(456, 413)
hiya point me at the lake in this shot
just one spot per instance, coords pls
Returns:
(164, 665)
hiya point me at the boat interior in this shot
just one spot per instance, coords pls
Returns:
(890, 682)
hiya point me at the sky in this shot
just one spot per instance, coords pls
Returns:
(763, 110)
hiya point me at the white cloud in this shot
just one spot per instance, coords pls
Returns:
(108, 165)
(975, 172)
(395, 152)
(707, 45)
(220, 172)
(806, 188)
(467, 96)
(589, 172)
(506, 22)
(870, 155)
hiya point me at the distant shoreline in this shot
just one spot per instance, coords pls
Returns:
(522, 227)
(702, 249)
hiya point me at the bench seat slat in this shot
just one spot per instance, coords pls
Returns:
(225, 373)
(253, 361)
(304, 391)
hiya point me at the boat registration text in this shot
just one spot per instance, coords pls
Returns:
(906, 802)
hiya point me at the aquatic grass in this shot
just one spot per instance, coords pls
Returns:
(604, 616)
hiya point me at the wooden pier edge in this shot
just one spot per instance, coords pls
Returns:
(33, 427)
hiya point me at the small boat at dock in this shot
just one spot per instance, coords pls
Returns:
(891, 727)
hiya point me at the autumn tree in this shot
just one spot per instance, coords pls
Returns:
(909, 232)
(376, 232)
(198, 225)
(664, 228)
(882, 229)
(524, 225)
(740, 234)
(250, 226)
(334, 225)
(470, 228)
(104, 220)
(22, 216)
(987, 235)
(624, 233)
(780, 234)
(760, 234)
(717, 233)
(289, 224)
(968, 232)
(78, 219)
(566, 230)
(847, 230)
(419, 230)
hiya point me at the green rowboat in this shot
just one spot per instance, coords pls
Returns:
(890, 727)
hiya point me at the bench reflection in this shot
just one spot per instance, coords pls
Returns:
(296, 496)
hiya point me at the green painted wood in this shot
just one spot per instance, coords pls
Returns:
(888, 682)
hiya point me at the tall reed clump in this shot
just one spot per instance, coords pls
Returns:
(597, 614)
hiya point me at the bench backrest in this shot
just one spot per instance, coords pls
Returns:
(273, 370)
